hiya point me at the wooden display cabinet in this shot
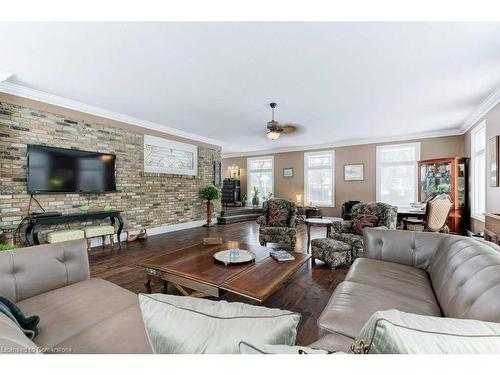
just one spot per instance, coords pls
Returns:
(448, 176)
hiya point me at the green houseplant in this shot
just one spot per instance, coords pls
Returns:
(6, 246)
(210, 193)
(244, 199)
(255, 199)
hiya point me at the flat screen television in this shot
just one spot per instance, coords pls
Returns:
(60, 170)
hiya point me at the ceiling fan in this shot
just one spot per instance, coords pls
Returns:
(275, 129)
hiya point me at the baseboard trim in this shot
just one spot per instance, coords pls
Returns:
(96, 242)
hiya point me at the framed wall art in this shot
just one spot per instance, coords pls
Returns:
(287, 172)
(354, 172)
(165, 156)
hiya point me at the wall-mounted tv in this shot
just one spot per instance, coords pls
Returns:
(60, 170)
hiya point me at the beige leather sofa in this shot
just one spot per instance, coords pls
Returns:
(77, 314)
(423, 273)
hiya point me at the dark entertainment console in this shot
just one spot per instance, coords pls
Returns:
(36, 221)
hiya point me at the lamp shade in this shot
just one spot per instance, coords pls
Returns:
(272, 135)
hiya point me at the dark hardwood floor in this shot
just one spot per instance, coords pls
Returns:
(307, 292)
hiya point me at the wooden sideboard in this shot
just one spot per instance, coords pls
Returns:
(492, 227)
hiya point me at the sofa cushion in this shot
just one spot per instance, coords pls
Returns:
(65, 235)
(353, 303)
(66, 312)
(121, 333)
(465, 275)
(178, 324)
(30, 271)
(395, 277)
(396, 332)
(12, 338)
(278, 217)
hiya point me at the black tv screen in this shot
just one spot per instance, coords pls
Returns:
(59, 170)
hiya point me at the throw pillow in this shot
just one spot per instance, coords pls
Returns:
(177, 324)
(277, 217)
(28, 324)
(363, 221)
(13, 340)
(397, 332)
(246, 348)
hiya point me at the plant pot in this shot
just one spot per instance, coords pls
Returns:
(255, 201)
(210, 210)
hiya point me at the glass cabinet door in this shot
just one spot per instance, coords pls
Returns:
(435, 179)
(461, 193)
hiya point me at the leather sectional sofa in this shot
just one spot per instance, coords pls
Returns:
(77, 314)
(422, 273)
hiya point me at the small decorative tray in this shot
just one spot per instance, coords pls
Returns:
(234, 256)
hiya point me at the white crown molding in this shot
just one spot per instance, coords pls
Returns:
(5, 75)
(41, 96)
(353, 142)
(491, 100)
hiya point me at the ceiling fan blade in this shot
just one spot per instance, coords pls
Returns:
(288, 128)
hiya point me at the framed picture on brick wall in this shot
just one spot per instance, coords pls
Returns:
(166, 156)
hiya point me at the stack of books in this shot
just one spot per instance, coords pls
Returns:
(282, 255)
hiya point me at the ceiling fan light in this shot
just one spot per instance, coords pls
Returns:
(272, 135)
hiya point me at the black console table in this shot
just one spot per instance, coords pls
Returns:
(35, 223)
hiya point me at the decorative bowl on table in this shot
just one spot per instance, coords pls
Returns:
(234, 256)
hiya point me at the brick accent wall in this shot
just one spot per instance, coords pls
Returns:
(147, 200)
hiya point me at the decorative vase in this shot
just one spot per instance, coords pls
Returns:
(255, 201)
(210, 210)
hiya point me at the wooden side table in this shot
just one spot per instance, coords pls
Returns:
(316, 222)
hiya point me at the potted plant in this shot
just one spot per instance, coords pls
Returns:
(210, 193)
(255, 199)
(6, 241)
(244, 199)
(6, 246)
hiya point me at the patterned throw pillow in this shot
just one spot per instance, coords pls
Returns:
(362, 221)
(278, 217)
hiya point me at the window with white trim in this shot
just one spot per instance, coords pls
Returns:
(478, 161)
(260, 176)
(397, 173)
(319, 178)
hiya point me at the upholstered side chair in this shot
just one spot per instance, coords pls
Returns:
(278, 222)
(437, 212)
(350, 231)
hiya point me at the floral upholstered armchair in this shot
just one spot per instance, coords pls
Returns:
(278, 221)
(380, 215)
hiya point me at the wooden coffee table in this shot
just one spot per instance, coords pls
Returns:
(193, 271)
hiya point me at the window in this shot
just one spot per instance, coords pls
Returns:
(260, 175)
(478, 156)
(318, 178)
(397, 173)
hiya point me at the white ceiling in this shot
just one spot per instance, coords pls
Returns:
(342, 82)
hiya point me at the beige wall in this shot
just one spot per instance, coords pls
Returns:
(344, 190)
(492, 193)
